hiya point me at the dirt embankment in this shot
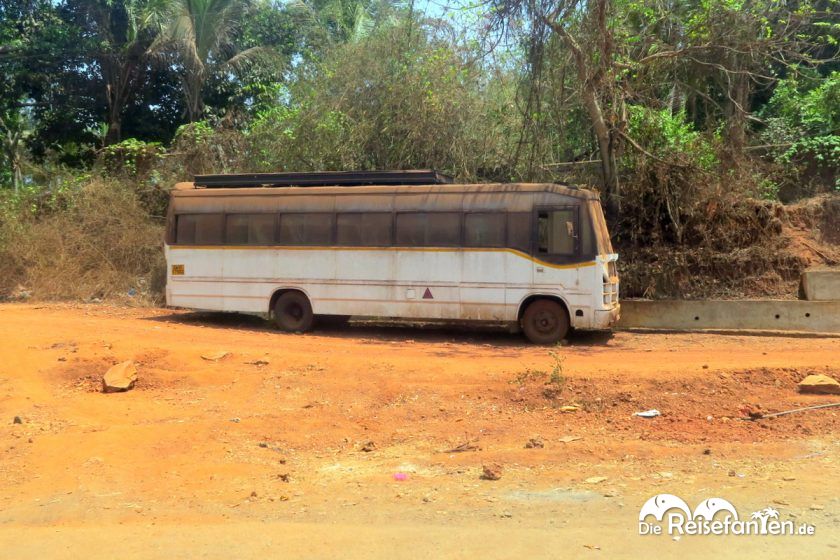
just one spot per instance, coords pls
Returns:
(313, 429)
(735, 250)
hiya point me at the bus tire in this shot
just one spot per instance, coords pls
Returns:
(545, 321)
(293, 312)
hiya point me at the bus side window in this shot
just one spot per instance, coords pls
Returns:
(519, 231)
(428, 229)
(484, 229)
(443, 229)
(250, 229)
(556, 232)
(306, 229)
(370, 229)
(199, 229)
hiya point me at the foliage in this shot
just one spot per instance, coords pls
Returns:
(123, 33)
(669, 135)
(803, 124)
(132, 157)
(366, 107)
(199, 148)
(200, 39)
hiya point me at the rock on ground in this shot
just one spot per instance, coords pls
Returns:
(822, 384)
(491, 471)
(120, 377)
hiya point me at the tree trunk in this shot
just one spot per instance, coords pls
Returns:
(739, 96)
(17, 172)
(602, 131)
(114, 94)
(193, 83)
(120, 72)
(11, 147)
(606, 149)
(114, 133)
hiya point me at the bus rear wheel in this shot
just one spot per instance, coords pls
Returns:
(545, 322)
(293, 312)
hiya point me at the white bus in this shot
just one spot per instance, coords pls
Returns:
(533, 255)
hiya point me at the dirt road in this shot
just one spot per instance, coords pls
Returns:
(288, 446)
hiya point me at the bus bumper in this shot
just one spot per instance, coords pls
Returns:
(607, 318)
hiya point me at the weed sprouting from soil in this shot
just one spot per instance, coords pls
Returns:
(556, 379)
(553, 380)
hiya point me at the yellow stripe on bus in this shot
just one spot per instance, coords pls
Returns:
(424, 249)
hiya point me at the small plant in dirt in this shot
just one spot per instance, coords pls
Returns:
(529, 376)
(553, 381)
(556, 379)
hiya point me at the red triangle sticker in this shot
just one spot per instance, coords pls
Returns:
(428, 294)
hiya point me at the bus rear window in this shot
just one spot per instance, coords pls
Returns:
(199, 229)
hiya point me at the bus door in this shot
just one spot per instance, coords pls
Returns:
(556, 240)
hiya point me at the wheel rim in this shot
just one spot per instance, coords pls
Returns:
(545, 322)
(294, 312)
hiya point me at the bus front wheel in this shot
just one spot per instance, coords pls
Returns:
(545, 322)
(293, 312)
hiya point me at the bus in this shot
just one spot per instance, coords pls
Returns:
(407, 245)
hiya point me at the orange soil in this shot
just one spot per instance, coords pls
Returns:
(274, 433)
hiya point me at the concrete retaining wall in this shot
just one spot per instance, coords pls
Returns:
(821, 284)
(766, 315)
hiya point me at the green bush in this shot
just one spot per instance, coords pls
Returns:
(802, 128)
(132, 157)
(670, 136)
(392, 100)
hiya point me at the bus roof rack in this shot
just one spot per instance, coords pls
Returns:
(324, 179)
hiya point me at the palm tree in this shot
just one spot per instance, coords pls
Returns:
(763, 516)
(771, 513)
(344, 20)
(200, 35)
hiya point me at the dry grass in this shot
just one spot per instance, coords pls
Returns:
(101, 245)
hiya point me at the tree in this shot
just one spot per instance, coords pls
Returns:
(125, 31)
(34, 43)
(623, 51)
(369, 106)
(14, 129)
(201, 37)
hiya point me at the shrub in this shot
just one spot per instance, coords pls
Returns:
(132, 158)
(99, 243)
(368, 106)
(200, 148)
(802, 131)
